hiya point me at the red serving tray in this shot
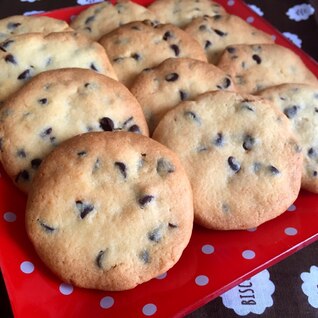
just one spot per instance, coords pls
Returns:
(213, 262)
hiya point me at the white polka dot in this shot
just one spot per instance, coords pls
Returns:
(107, 302)
(292, 208)
(27, 267)
(250, 19)
(291, 231)
(231, 3)
(253, 229)
(162, 276)
(202, 280)
(207, 249)
(10, 216)
(149, 309)
(248, 254)
(274, 37)
(66, 289)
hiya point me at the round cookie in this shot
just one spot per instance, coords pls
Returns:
(299, 102)
(105, 17)
(241, 157)
(181, 12)
(259, 66)
(113, 218)
(55, 106)
(20, 24)
(136, 46)
(216, 33)
(174, 80)
(23, 56)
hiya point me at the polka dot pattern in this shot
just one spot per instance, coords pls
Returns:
(292, 208)
(107, 302)
(231, 3)
(162, 276)
(10, 217)
(149, 309)
(248, 254)
(202, 280)
(291, 231)
(207, 249)
(27, 267)
(250, 20)
(66, 289)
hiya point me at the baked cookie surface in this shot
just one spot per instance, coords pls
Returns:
(160, 89)
(299, 102)
(136, 46)
(55, 106)
(259, 66)
(23, 56)
(21, 24)
(216, 33)
(242, 159)
(181, 12)
(110, 210)
(105, 17)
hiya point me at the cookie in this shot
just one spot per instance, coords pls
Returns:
(105, 17)
(55, 106)
(136, 46)
(113, 218)
(216, 33)
(20, 24)
(174, 80)
(23, 56)
(242, 159)
(259, 66)
(181, 12)
(299, 102)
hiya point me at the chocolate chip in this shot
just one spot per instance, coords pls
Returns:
(25, 75)
(127, 121)
(201, 148)
(35, 163)
(315, 173)
(225, 208)
(90, 19)
(13, 25)
(291, 111)
(135, 27)
(4, 45)
(171, 77)
(10, 59)
(220, 33)
(144, 256)
(93, 67)
(316, 109)
(106, 124)
(247, 106)
(234, 164)
(155, 235)
(219, 140)
(1, 144)
(231, 49)
(99, 259)
(46, 132)
(207, 44)
(21, 153)
(172, 225)
(122, 168)
(118, 59)
(202, 27)
(47, 228)
(273, 170)
(82, 153)
(96, 165)
(312, 153)
(183, 95)
(257, 167)
(136, 56)
(24, 175)
(134, 129)
(256, 58)
(249, 142)
(164, 167)
(225, 83)
(84, 208)
(87, 28)
(192, 116)
(42, 101)
(217, 17)
(176, 49)
(145, 200)
(167, 36)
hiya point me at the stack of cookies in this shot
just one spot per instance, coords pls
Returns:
(232, 119)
